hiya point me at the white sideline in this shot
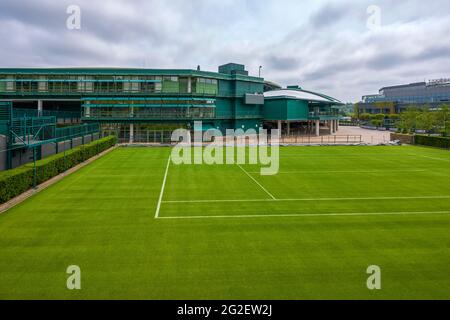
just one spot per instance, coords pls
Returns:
(305, 199)
(249, 175)
(347, 171)
(162, 190)
(303, 215)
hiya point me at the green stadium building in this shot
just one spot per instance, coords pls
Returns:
(37, 104)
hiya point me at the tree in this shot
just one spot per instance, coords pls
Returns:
(378, 116)
(394, 117)
(408, 119)
(426, 120)
(365, 116)
(442, 118)
(377, 123)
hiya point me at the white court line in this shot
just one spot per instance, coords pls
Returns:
(304, 215)
(349, 171)
(249, 175)
(162, 189)
(305, 199)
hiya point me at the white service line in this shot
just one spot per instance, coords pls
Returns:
(162, 189)
(349, 171)
(304, 215)
(306, 199)
(250, 176)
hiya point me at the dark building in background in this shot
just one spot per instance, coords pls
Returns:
(396, 99)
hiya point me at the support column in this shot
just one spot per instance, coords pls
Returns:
(288, 128)
(280, 127)
(337, 125)
(330, 124)
(131, 132)
(40, 108)
(318, 128)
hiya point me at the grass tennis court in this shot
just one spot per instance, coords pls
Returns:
(141, 229)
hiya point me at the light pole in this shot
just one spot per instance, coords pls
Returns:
(260, 67)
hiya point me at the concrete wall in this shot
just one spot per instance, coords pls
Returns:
(48, 150)
(87, 139)
(21, 157)
(77, 142)
(63, 146)
(3, 153)
(403, 138)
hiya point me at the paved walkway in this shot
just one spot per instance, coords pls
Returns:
(368, 136)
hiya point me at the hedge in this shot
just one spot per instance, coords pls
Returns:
(16, 181)
(439, 142)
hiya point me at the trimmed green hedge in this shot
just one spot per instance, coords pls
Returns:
(16, 181)
(439, 142)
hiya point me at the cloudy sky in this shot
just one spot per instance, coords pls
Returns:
(326, 45)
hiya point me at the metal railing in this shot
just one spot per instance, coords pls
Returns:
(164, 137)
(336, 139)
(73, 116)
(28, 132)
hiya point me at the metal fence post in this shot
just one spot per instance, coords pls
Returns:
(35, 170)
(65, 163)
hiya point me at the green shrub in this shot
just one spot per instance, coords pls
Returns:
(16, 181)
(439, 142)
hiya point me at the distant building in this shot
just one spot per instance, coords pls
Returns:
(395, 99)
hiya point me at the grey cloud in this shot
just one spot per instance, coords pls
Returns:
(283, 63)
(329, 14)
(386, 60)
(329, 49)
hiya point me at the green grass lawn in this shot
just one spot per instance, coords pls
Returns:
(226, 232)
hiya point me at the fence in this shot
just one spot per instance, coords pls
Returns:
(61, 116)
(337, 139)
(164, 137)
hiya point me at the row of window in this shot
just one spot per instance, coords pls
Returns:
(105, 84)
(410, 99)
(207, 81)
(101, 77)
(151, 113)
(149, 102)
